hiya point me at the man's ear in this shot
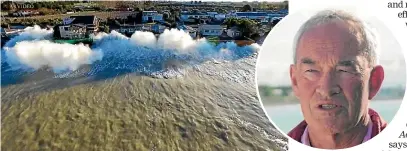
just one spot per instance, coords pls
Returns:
(375, 81)
(293, 78)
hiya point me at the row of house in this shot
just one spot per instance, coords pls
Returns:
(129, 29)
(155, 28)
(153, 16)
(203, 30)
(80, 26)
(263, 17)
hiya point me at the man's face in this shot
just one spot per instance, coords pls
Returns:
(331, 78)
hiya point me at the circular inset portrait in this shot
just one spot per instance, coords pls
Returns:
(331, 78)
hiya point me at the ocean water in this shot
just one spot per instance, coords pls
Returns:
(286, 117)
(187, 95)
(211, 107)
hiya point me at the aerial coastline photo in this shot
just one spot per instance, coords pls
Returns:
(135, 75)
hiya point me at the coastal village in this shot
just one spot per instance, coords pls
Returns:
(73, 22)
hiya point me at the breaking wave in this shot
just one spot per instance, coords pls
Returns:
(112, 54)
(60, 57)
(29, 34)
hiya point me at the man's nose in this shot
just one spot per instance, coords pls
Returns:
(328, 86)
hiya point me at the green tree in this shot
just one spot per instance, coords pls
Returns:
(37, 5)
(230, 22)
(4, 25)
(106, 29)
(137, 9)
(247, 8)
(166, 16)
(6, 5)
(64, 7)
(224, 11)
(48, 5)
(285, 4)
(281, 5)
(246, 26)
(264, 5)
(59, 7)
(139, 17)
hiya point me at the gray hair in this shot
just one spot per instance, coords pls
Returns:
(368, 39)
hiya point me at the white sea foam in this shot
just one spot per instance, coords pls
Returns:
(142, 50)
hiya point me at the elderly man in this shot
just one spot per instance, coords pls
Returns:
(334, 76)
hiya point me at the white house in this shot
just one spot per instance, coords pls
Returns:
(258, 16)
(72, 31)
(276, 15)
(233, 32)
(91, 22)
(212, 14)
(191, 31)
(152, 15)
(186, 16)
(157, 28)
(220, 16)
(127, 29)
(130, 29)
(210, 30)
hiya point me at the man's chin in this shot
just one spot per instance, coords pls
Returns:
(333, 126)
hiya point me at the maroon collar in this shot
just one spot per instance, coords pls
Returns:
(378, 125)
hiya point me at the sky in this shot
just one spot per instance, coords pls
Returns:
(276, 53)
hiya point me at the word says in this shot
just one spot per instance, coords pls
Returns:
(398, 145)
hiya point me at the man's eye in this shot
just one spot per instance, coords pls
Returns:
(340, 70)
(310, 70)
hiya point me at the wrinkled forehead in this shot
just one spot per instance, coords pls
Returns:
(336, 38)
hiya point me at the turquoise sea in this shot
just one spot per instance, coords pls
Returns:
(286, 117)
